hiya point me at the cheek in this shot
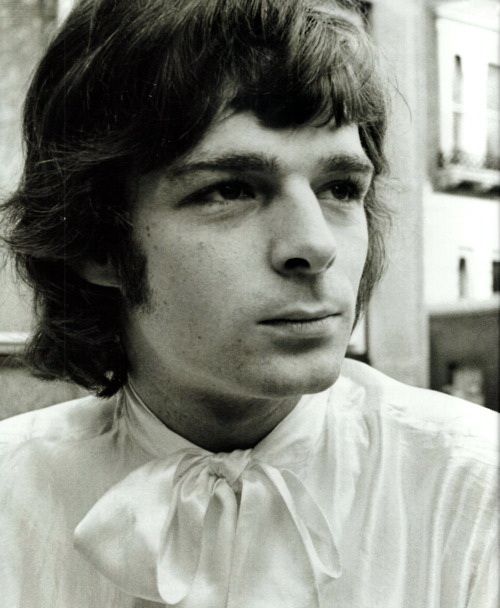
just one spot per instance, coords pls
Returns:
(353, 249)
(190, 275)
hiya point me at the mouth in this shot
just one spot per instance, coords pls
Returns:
(302, 324)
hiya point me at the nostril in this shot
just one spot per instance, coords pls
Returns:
(296, 263)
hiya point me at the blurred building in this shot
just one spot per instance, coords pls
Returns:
(462, 248)
(461, 199)
(434, 320)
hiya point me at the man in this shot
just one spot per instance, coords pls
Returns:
(199, 220)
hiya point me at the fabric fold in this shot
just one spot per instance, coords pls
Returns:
(168, 533)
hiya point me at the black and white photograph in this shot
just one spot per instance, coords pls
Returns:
(249, 303)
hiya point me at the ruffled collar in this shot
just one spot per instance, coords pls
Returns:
(289, 443)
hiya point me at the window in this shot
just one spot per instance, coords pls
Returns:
(463, 278)
(496, 276)
(458, 78)
(457, 108)
(493, 87)
(493, 113)
(457, 136)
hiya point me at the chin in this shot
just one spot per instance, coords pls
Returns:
(301, 379)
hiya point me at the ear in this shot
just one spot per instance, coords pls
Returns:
(98, 273)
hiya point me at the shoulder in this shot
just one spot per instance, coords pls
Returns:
(68, 421)
(48, 477)
(435, 453)
(426, 418)
(426, 470)
(53, 458)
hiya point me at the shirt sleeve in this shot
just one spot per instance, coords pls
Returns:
(38, 566)
(485, 592)
(31, 555)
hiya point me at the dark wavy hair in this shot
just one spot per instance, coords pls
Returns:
(128, 86)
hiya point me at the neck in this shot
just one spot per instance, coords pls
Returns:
(215, 422)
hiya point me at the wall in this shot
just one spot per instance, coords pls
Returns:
(459, 226)
(468, 30)
(24, 28)
(398, 342)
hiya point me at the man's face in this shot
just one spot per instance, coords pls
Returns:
(255, 243)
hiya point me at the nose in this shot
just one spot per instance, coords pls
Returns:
(303, 242)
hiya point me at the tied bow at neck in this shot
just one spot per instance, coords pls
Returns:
(212, 530)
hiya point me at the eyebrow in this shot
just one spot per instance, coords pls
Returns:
(348, 163)
(237, 163)
(257, 163)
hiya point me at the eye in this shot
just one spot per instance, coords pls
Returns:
(233, 190)
(344, 190)
(223, 192)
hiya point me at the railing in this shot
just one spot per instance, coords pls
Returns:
(12, 342)
(465, 171)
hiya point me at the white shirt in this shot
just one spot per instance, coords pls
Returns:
(372, 494)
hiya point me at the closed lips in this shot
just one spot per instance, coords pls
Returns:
(296, 320)
(299, 317)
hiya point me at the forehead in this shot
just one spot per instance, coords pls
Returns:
(243, 134)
